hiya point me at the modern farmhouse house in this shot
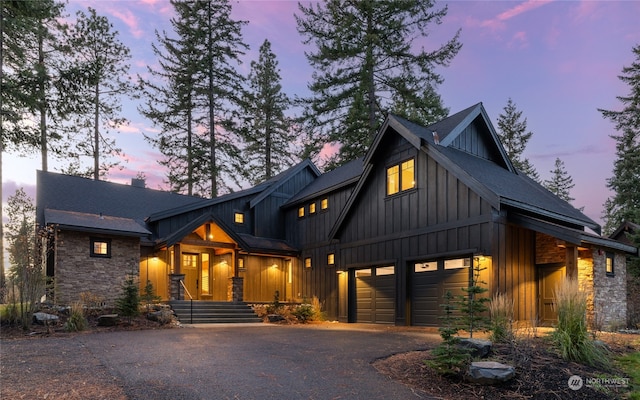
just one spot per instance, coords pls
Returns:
(377, 240)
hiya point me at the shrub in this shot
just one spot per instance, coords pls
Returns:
(275, 306)
(77, 321)
(571, 336)
(472, 304)
(316, 305)
(149, 296)
(128, 304)
(501, 310)
(304, 312)
(93, 303)
(449, 358)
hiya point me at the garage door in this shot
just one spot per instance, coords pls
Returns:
(375, 295)
(429, 283)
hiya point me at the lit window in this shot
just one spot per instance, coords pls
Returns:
(240, 263)
(393, 180)
(331, 258)
(239, 218)
(426, 267)
(100, 247)
(609, 266)
(408, 176)
(324, 204)
(401, 177)
(301, 212)
(457, 263)
(312, 208)
(307, 262)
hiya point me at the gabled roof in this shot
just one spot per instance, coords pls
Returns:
(621, 232)
(277, 181)
(497, 182)
(344, 175)
(94, 223)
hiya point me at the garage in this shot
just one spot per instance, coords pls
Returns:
(429, 281)
(375, 295)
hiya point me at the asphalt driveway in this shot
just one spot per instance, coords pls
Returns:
(328, 361)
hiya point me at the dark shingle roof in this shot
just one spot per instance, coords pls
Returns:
(72, 193)
(94, 222)
(329, 181)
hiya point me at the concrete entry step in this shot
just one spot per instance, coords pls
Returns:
(212, 312)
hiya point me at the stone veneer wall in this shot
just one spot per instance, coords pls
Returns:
(76, 271)
(610, 292)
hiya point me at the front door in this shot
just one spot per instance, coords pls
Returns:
(550, 276)
(191, 275)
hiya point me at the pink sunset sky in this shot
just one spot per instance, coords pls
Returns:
(558, 60)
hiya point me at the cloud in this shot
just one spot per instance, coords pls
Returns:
(519, 40)
(130, 20)
(498, 22)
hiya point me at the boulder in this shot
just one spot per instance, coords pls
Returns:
(490, 372)
(161, 316)
(275, 317)
(42, 318)
(108, 320)
(478, 348)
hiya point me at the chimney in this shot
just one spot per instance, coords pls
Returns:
(137, 182)
(436, 137)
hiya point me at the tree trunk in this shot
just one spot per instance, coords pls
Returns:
(42, 108)
(96, 134)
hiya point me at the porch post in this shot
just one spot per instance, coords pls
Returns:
(572, 262)
(176, 292)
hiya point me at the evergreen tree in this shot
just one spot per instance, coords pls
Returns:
(624, 205)
(25, 270)
(195, 96)
(102, 70)
(128, 304)
(512, 130)
(267, 132)
(366, 63)
(561, 182)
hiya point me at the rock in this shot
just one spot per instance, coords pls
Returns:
(161, 316)
(275, 317)
(479, 348)
(41, 318)
(108, 320)
(490, 372)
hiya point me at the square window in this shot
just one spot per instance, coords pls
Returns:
(457, 263)
(324, 204)
(393, 180)
(609, 264)
(307, 262)
(312, 208)
(100, 247)
(238, 218)
(331, 258)
(425, 266)
(300, 212)
(240, 263)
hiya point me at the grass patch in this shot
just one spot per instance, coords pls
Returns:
(630, 364)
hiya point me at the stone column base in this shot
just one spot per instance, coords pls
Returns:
(235, 289)
(176, 291)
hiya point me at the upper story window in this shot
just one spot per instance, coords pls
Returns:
(324, 204)
(401, 177)
(331, 259)
(609, 264)
(301, 212)
(238, 218)
(312, 208)
(307, 262)
(100, 247)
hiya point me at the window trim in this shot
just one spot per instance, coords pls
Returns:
(237, 214)
(92, 243)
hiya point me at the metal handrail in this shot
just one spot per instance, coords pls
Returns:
(190, 297)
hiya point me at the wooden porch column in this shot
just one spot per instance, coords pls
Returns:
(177, 259)
(572, 262)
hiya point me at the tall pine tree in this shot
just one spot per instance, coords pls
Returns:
(624, 204)
(101, 65)
(267, 131)
(367, 62)
(195, 96)
(561, 182)
(512, 130)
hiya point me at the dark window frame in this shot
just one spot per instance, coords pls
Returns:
(400, 185)
(610, 256)
(92, 243)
